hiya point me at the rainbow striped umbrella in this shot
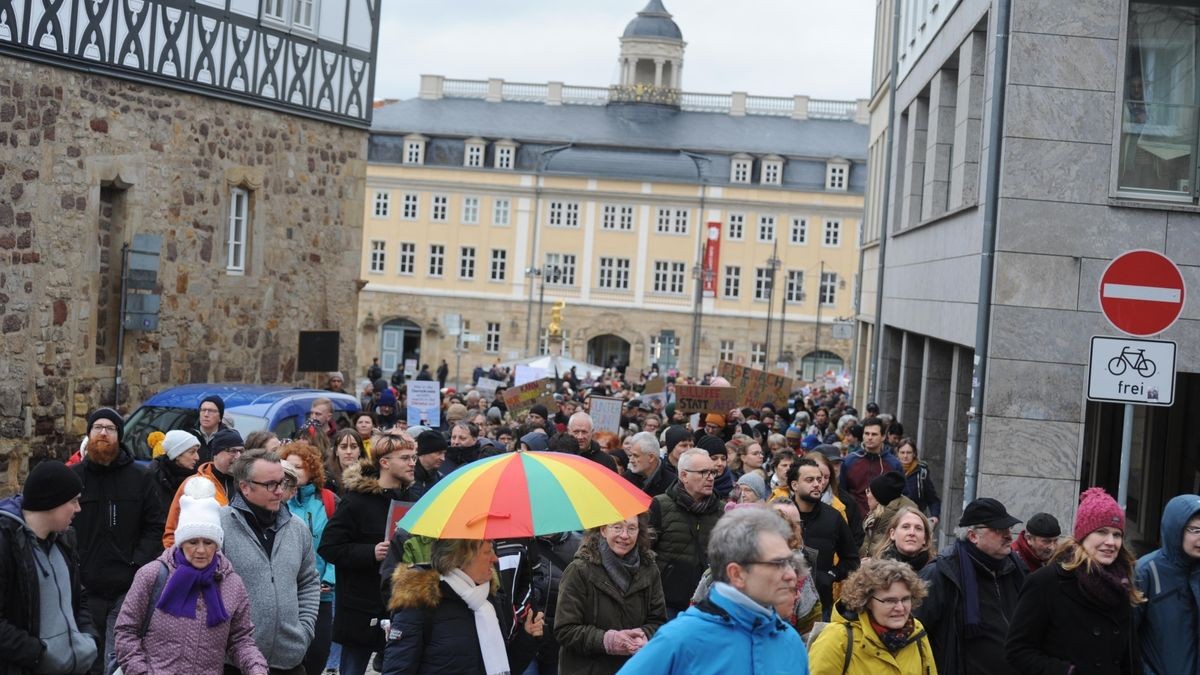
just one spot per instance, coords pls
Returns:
(522, 494)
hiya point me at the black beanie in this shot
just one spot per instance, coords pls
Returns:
(223, 440)
(430, 441)
(539, 409)
(888, 487)
(110, 415)
(712, 444)
(50, 485)
(217, 401)
(675, 434)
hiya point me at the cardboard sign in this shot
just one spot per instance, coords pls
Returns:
(655, 390)
(606, 413)
(756, 386)
(695, 398)
(487, 387)
(424, 403)
(527, 374)
(521, 398)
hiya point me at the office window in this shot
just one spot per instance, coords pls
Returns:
(466, 262)
(833, 232)
(762, 282)
(758, 355)
(1159, 101)
(491, 338)
(772, 172)
(473, 155)
(441, 205)
(616, 217)
(671, 220)
(504, 156)
(835, 175)
(614, 273)
(739, 171)
(408, 258)
(499, 264)
(559, 269)
(501, 208)
(766, 229)
(668, 277)
(726, 352)
(382, 203)
(437, 260)
(829, 284)
(736, 229)
(236, 235)
(470, 210)
(795, 286)
(378, 256)
(564, 214)
(414, 151)
(733, 282)
(411, 203)
(799, 231)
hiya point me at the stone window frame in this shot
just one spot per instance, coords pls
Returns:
(566, 264)
(563, 213)
(827, 294)
(377, 263)
(831, 236)
(766, 226)
(470, 209)
(763, 280)
(793, 287)
(491, 340)
(498, 265)
(727, 350)
(758, 354)
(837, 175)
(382, 204)
(406, 262)
(466, 263)
(250, 181)
(411, 206)
(497, 221)
(613, 273)
(731, 288)
(673, 220)
(440, 211)
(414, 150)
(616, 217)
(772, 170)
(798, 232)
(437, 260)
(505, 155)
(474, 152)
(741, 169)
(670, 277)
(738, 220)
(236, 230)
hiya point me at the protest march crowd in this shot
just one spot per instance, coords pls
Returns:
(786, 532)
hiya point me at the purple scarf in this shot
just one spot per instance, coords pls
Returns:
(184, 587)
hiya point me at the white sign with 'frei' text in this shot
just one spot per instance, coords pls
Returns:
(1127, 370)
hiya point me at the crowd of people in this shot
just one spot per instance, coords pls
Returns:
(795, 536)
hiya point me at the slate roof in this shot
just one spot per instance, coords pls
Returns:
(653, 21)
(628, 126)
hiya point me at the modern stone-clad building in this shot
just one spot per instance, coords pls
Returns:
(498, 200)
(234, 130)
(1091, 153)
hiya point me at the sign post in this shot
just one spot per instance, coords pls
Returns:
(1141, 293)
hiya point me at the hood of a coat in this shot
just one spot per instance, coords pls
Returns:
(362, 477)
(11, 508)
(721, 610)
(415, 586)
(1175, 516)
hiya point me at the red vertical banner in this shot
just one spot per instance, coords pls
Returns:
(712, 257)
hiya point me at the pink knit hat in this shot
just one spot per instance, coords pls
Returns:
(1096, 510)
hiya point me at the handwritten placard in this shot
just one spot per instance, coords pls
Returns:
(756, 386)
(695, 398)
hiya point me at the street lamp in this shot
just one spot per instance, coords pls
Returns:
(539, 168)
(548, 274)
(698, 271)
(773, 264)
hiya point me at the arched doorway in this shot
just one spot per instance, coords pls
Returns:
(816, 363)
(399, 340)
(609, 351)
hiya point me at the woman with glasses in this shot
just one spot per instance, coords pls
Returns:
(348, 451)
(872, 628)
(355, 542)
(610, 599)
(1075, 615)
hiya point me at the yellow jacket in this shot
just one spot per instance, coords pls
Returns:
(827, 656)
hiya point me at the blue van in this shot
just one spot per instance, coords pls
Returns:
(252, 407)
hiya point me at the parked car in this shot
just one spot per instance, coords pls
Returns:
(251, 407)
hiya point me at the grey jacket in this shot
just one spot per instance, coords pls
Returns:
(285, 591)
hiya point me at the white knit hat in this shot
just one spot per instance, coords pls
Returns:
(199, 512)
(178, 442)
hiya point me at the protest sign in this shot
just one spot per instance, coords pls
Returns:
(424, 403)
(526, 374)
(521, 398)
(487, 387)
(695, 398)
(396, 511)
(606, 413)
(756, 386)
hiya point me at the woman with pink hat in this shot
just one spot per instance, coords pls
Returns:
(1075, 614)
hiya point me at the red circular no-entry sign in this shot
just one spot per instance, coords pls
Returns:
(1141, 292)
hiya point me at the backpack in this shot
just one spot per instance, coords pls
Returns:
(330, 500)
(817, 628)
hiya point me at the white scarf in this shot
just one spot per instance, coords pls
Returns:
(487, 626)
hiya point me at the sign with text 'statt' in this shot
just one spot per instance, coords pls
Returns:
(695, 398)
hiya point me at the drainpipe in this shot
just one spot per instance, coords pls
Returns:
(987, 260)
(884, 208)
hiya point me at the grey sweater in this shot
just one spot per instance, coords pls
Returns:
(285, 591)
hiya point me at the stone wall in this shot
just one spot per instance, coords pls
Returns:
(90, 161)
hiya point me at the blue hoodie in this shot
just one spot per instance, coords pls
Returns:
(1168, 623)
(752, 639)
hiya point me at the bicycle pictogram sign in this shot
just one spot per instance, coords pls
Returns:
(1132, 358)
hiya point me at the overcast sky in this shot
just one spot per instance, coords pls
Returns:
(820, 48)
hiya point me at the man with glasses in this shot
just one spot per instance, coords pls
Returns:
(684, 517)
(647, 470)
(973, 589)
(580, 428)
(119, 526)
(825, 530)
(273, 553)
(735, 624)
(355, 542)
(212, 410)
(226, 446)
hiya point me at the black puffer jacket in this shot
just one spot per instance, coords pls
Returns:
(433, 630)
(167, 477)
(349, 544)
(120, 526)
(20, 647)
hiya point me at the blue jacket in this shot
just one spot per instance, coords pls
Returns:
(1168, 623)
(309, 507)
(750, 642)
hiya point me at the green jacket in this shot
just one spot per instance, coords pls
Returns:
(681, 547)
(589, 603)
